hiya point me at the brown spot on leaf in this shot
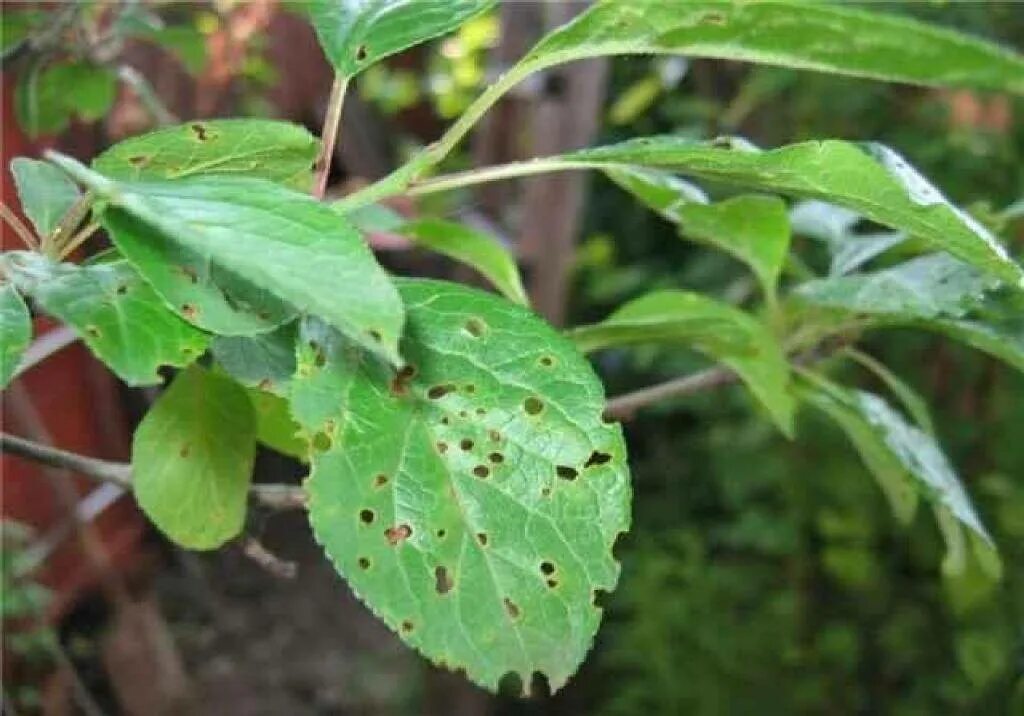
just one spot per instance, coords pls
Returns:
(565, 472)
(533, 405)
(511, 608)
(200, 131)
(366, 516)
(93, 332)
(361, 53)
(546, 361)
(380, 480)
(547, 568)
(476, 327)
(481, 471)
(466, 444)
(364, 563)
(481, 537)
(496, 457)
(398, 534)
(407, 626)
(439, 391)
(185, 450)
(494, 435)
(139, 160)
(189, 311)
(597, 458)
(122, 289)
(443, 582)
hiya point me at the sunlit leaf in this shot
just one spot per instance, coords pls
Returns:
(472, 499)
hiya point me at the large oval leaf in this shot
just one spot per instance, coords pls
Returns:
(472, 500)
(15, 331)
(280, 152)
(192, 459)
(357, 33)
(116, 313)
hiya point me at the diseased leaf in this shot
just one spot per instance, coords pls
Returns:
(473, 248)
(473, 504)
(45, 191)
(266, 361)
(357, 33)
(251, 234)
(723, 332)
(906, 460)
(872, 180)
(280, 152)
(275, 427)
(924, 287)
(15, 331)
(115, 312)
(846, 41)
(192, 459)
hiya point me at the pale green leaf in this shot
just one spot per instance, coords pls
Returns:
(375, 217)
(789, 33)
(357, 33)
(266, 236)
(924, 287)
(275, 426)
(265, 361)
(723, 332)
(472, 500)
(280, 152)
(45, 191)
(115, 312)
(15, 331)
(473, 248)
(192, 459)
(661, 191)
(835, 226)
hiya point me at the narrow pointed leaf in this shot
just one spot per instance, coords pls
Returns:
(473, 248)
(115, 312)
(280, 152)
(846, 41)
(357, 33)
(473, 504)
(15, 331)
(719, 330)
(662, 191)
(45, 191)
(192, 459)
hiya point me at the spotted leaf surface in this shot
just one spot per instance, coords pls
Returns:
(473, 498)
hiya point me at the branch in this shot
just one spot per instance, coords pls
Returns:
(329, 135)
(18, 227)
(624, 406)
(277, 497)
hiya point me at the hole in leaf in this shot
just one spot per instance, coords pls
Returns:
(599, 598)
(533, 405)
(597, 458)
(476, 327)
(442, 447)
(364, 563)
(565, 472)
(511, 685)
(466, 444)
(496, 457)
(445, 420)
(321, 442)
(361, 53)
(189, 311)
(407, 626)
(442, 581)
(366, 516)
(512, 608)
(539, 686)
(552, 583)
(380, 480)
(441, 533)
(481, 471)
(481, 537)
(398, 534)
(200, 132)
(400, 383)
(546, 361)
(545, 492)
(547, 568)
(122, 289)
(439, 391)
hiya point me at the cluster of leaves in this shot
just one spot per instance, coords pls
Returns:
(462, 477)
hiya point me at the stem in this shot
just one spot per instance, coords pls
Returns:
(52, 244)
(147, 96)
(329, 135)
(77, 240)
(278, 497)
(624, 406)
(530, 167)
(19, 228)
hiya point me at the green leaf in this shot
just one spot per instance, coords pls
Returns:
(45, 191)
(192, 459)
(473, 248)
(15, 331)
(473, 505)
(835, 226)
(357, 33)
(261, 235)
(280, 152)
(1003, 340)
(870, 179)
(907, 461)
(266, 361)
(275, 426)
(186, 43)
(911, 400)
(115, 312)
(723, 332)
(47, 98)
(661, 191)
(846, 41)
(924, 287)
(375, 217)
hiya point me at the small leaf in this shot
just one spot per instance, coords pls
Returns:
(15, 331)
(846, 41)
(45, 191)
(474, 504)
(115, 312)
(275, 426)
(48, 97)
(357, 33)
(266, 361)
(725, 333)
(473, 248)
(260, 148)
(924, 287)
(259, 236)
(192, 459)
(835, 226)
(906, 460)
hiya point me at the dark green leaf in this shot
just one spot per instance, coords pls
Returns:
(473, 504)
(48, 98)
(725, 333)
(115, 312)
(45, 191)
(277, 151)
(358, 33)
(473, 248)
(266, 361)
(15, 331)
(192, 459)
